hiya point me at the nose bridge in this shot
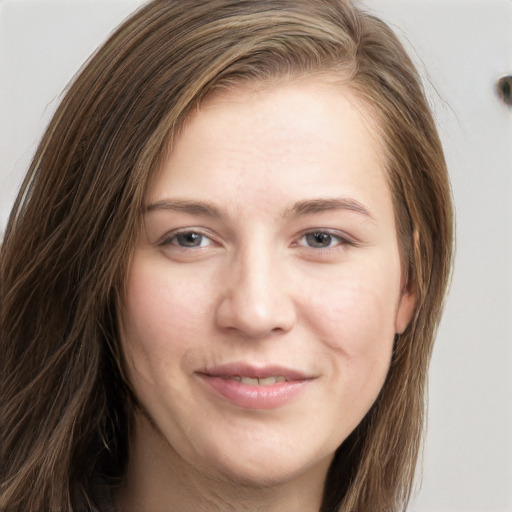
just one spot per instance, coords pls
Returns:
(257, 299)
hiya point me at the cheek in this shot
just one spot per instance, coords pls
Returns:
(356, 314)
(161, 313)
(355, 323)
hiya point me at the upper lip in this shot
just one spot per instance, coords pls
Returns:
(253, 371)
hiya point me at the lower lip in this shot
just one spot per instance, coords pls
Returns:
(255, 397)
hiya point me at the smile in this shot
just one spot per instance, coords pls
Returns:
(252, 387)
(264, 381)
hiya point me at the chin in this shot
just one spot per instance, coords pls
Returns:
(267, 467)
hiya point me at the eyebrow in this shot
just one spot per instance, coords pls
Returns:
(306, 207)
(312, 206)
(183, 206)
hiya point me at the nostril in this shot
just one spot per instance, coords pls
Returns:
(504, 89)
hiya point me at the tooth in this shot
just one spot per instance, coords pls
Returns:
(249, 381)
(267, 381)
(235, 377)
(280, 379)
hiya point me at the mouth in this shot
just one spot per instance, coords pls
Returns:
(252, 387)
(264, 381)
(253, 375)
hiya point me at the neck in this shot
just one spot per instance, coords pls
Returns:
(159, 480)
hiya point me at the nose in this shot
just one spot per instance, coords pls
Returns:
(257, 300)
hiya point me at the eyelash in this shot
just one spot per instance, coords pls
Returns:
(328, 235)
(172, 239)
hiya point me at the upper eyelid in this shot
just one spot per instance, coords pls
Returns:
(340, 242)
(341, 235)
(344, 237)
(181, 231)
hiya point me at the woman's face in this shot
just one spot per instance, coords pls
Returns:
(265, 292)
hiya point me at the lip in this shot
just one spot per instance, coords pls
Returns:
(248, 396)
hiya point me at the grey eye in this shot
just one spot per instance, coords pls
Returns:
(319, 240)
(189, 239)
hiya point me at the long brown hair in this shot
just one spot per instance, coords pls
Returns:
(67, 409)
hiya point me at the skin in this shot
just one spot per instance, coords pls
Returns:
(260, 288)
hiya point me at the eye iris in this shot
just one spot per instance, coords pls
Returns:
(318, 239)
(189, 239)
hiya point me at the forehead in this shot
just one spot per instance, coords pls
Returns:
(302, 137)
(306, 103)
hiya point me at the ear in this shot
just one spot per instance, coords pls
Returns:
(405, 310)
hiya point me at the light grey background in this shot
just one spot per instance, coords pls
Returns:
(462, 47)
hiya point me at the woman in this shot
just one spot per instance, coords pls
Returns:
(222, 278)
